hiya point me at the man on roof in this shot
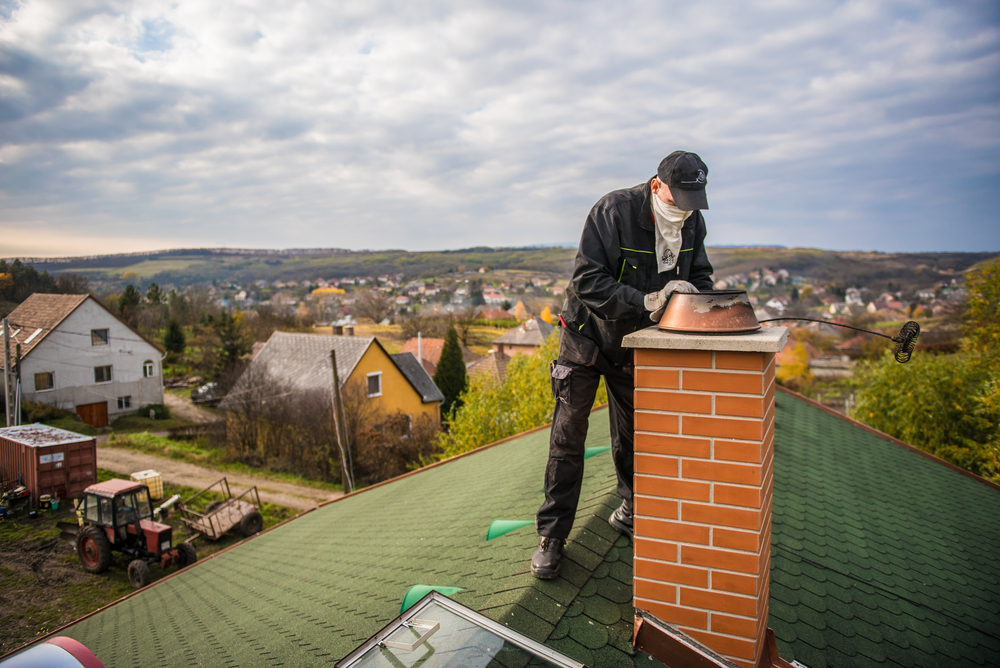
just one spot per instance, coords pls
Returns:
(639, 246)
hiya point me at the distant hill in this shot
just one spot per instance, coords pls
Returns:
(849, 268)
(182, 267)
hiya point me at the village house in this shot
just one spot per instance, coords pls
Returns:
(79, 356)
(523, 339)
(301, 363)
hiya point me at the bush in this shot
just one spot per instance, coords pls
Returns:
(35, 411)
(160, 412)
(492, 411)
(946, 405)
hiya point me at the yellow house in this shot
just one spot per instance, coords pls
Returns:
(292, 363)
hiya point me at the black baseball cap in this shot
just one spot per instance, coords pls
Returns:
(686, 176)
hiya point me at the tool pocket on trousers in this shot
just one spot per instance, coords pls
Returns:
(560, 382)
(576, 348)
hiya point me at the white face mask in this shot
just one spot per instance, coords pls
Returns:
(669, 211)
(669, 221)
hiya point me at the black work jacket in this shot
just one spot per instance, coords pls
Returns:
(616, 267)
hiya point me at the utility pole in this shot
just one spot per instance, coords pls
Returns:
(7, 384)
(17, 385)
(340, 426)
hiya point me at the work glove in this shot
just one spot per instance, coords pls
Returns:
(657, 301)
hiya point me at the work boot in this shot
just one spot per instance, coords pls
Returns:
(547, 559)
(621, 520)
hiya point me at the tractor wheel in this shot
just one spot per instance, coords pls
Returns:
(188, 555)
(138, 573)
(251, 523)
(212, 507)
(93, 549)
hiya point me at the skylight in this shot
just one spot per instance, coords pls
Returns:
(438, 632)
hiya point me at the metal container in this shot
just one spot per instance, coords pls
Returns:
(48, 460)
(710, 312)
(151, 479)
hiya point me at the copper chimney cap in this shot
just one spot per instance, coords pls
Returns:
(710, 312)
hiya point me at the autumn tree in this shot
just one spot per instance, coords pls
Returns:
(981, 319)
(794, 371)
(374, 305)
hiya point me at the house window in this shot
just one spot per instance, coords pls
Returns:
(102, 374)
(44, 381)
(375, 384)
(124, 402)
(147, 369)
(98, 337)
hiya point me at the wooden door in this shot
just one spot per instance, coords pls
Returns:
(96, 415)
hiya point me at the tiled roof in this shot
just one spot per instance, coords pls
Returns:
(529, 333)
(494, 314)
(493, 364)
(431, 352)
(300, 362)
(415, 373)
(45, 312)
(40, 311)
(430, 349)
(880, 557)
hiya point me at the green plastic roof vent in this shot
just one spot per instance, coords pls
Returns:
(590, 452)
(417, 592)
(500, 527)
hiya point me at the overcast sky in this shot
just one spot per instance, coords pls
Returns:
(148, 124)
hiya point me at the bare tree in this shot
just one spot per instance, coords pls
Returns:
(464, 319)
(374, 305)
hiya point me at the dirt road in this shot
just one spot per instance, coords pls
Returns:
(191, 475)
(183, 408)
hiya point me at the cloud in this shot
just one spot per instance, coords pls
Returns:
(377, 124)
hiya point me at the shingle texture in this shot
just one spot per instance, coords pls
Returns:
(415, 373)
(40, 311)
(310, 591)
(880, 557)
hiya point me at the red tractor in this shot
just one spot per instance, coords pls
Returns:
(118, 515)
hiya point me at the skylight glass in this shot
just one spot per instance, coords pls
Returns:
(438, 632)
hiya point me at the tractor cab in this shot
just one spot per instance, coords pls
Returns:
(124, 510)
(119, 516)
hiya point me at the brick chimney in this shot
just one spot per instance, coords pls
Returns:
(704, 459)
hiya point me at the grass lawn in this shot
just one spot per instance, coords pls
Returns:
(202, 452)
(134, 423)
(43, 586)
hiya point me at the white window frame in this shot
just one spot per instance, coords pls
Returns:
(125, 403)
(102, 340)
(148, 369)
(368, 381)
(111, 374)
(52, 381)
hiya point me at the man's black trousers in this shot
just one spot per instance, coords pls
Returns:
(575, 379)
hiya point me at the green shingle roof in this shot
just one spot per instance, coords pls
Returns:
(313, 589)
(879, 557)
